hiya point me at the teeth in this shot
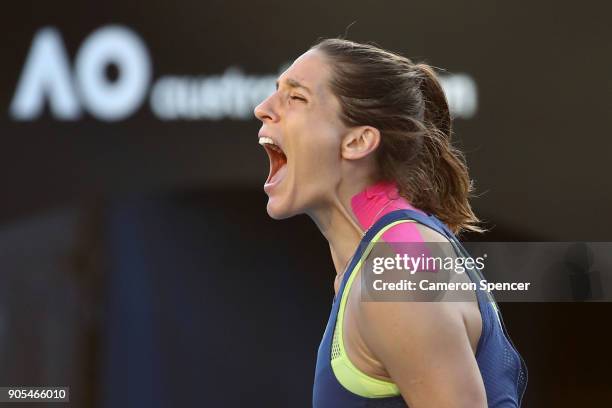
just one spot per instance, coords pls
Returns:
(265, 140)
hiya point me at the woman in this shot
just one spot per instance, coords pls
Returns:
(359, 139)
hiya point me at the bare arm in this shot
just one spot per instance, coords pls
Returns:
(426, 351)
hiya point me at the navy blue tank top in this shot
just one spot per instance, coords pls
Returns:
(503, 370)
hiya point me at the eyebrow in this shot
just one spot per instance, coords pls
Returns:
(292, 83)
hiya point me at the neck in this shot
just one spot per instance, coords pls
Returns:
(345, 218)
(339, 225)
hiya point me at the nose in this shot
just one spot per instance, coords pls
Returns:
(265, 111)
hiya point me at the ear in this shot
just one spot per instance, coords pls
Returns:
(360, 142)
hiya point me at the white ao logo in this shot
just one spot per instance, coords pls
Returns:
(47, 75)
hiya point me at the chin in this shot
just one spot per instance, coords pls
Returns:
(278, 210)
(275, 212)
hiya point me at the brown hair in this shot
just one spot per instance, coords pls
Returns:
(406, 103)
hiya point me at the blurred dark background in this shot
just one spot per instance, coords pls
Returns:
(137, 262)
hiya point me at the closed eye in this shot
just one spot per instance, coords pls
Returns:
(299, 98)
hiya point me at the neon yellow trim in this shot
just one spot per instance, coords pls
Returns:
(349, 376)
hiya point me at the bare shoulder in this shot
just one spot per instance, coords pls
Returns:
(424, 345)
(412, 308)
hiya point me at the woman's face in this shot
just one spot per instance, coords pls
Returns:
(301, 133)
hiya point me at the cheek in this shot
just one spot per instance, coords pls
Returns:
(321, 152)
(327, 161)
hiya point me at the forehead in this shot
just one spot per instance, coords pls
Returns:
(310, 70)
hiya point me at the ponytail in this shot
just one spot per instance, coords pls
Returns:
(436, 111)
(446, 166)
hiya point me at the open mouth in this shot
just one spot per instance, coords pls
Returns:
(278, 160)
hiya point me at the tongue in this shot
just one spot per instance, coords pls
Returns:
(279, 174)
